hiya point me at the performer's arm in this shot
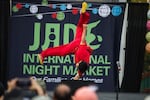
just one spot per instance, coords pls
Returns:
(83, 38)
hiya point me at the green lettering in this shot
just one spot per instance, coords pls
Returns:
(56, 69)
(67, 59)
(48, 70)
(91, 70)
(59, 59)
(30, 58)
(99, 71)
(67, 70)
(51, 29)
(93, 59)
(36, 39)
(91, 37)
(39, 70)
(24, 58)
(51, 59)
(101, 60)
(67, 29)
(106, 70)
(106, 60)
(27, 69)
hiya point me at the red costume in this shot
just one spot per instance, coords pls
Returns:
(82, 52)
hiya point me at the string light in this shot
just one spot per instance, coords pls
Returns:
(116, 10)
(15, 9)
(103, 11)
(63, 7)
(44, 2)
(33, 9)
(69, 6)
(26, 5)
(60, 16)
(19, 5)
(39, 16)
(94, 10)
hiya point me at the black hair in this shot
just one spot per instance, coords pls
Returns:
(83, 66)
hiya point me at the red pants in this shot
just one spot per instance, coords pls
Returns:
(71, 47)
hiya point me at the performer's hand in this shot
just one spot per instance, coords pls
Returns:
(77, 77)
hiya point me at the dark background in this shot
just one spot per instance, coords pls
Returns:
(134, 49)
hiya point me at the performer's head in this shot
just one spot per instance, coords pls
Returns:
(82, 66)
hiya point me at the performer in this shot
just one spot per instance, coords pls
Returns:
(78, 46)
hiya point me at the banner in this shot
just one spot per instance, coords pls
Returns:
(35, 27)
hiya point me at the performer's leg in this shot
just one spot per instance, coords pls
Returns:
(84, 18)
(59, 51)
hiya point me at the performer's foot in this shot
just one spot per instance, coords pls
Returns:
(40, 59)
(84, 7)
(77, 77)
